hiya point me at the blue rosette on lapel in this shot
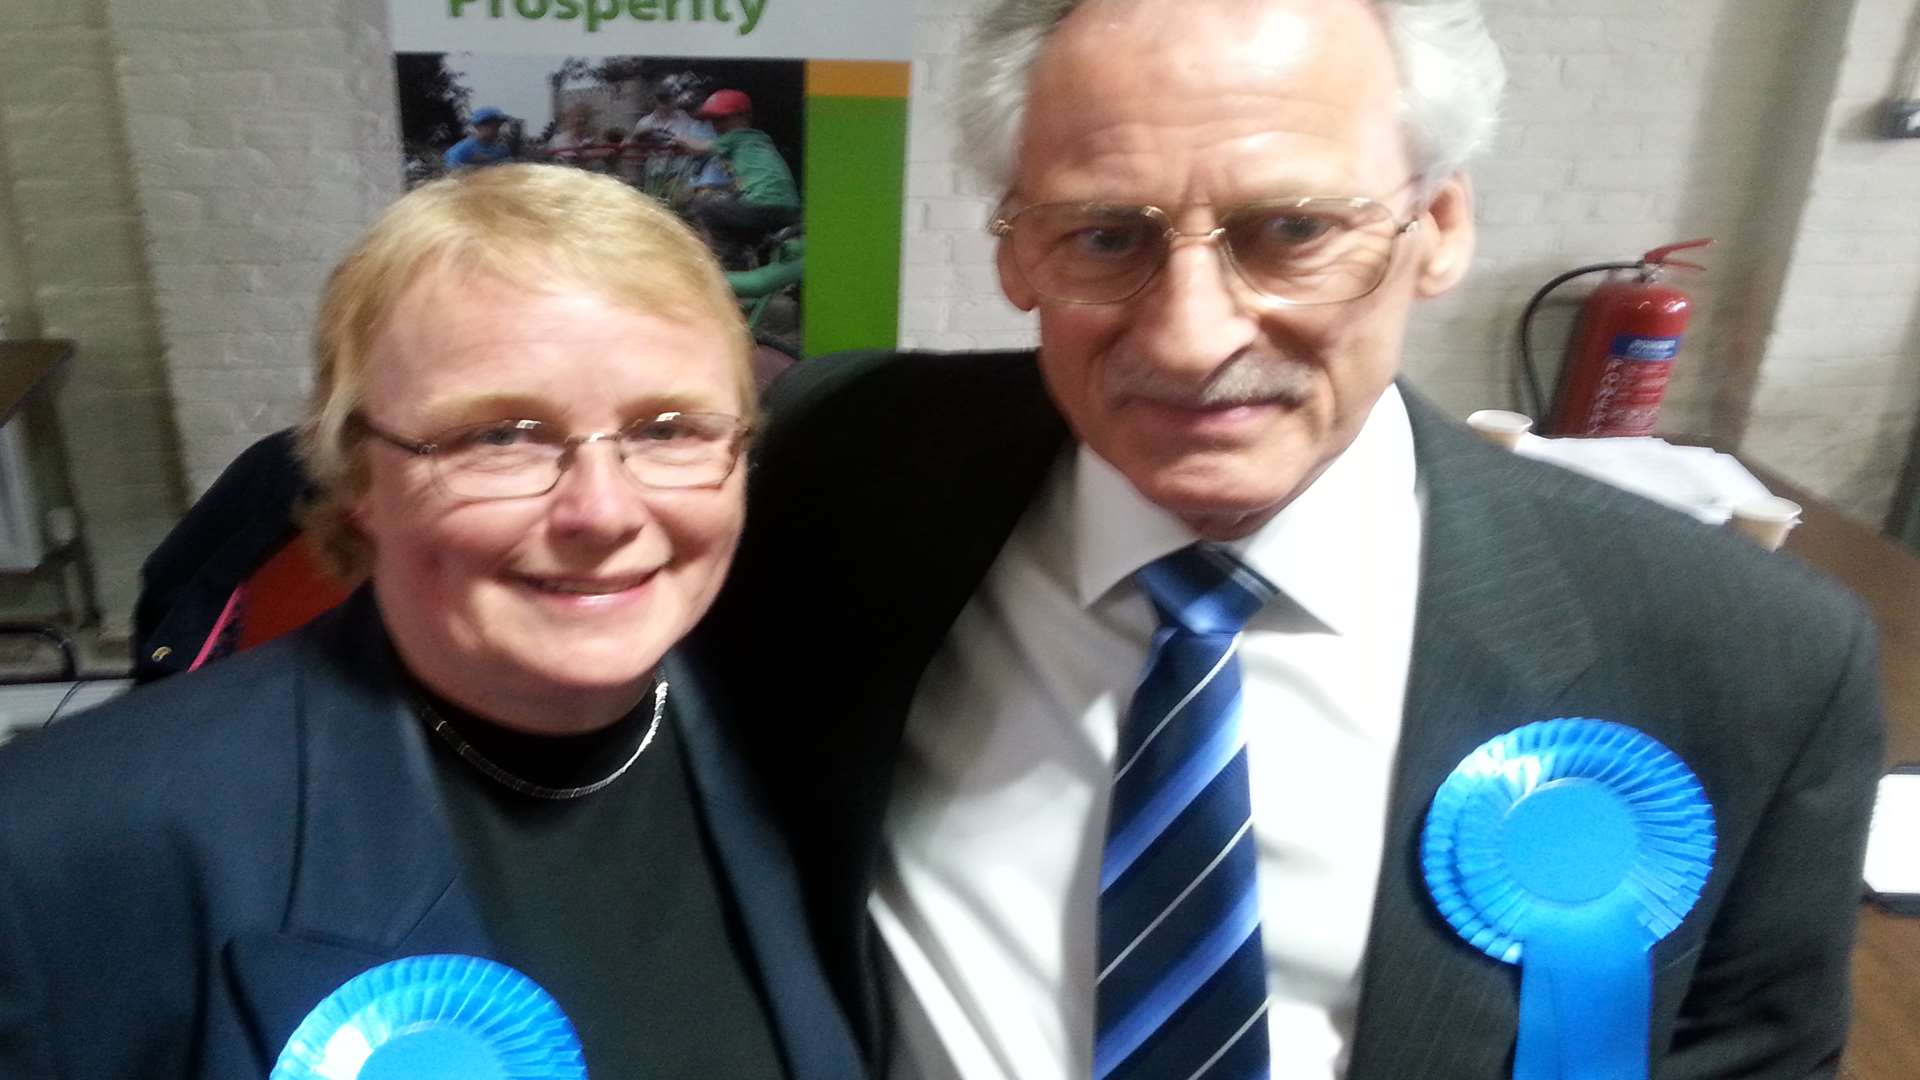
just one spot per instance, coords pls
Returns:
(1569, 847)
(444, 1017)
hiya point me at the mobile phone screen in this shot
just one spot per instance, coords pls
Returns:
(1893, 843)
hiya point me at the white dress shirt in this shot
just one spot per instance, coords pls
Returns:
(985, 902)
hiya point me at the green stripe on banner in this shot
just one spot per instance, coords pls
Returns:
(856, 166)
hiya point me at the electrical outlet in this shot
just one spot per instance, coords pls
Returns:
(1902, 119)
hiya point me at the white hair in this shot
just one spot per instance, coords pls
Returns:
(1451, 79)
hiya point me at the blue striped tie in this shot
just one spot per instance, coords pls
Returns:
(1182, 989)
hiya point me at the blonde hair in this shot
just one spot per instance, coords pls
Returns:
(539, 227)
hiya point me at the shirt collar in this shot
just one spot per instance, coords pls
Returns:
(1315, 550)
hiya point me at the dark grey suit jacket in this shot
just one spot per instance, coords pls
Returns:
(885, 485)
(186, 872)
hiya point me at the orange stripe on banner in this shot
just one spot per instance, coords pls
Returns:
(858, 78)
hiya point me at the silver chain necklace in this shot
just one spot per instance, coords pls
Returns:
(526, 787)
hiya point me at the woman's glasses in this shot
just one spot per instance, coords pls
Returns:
(513, 459)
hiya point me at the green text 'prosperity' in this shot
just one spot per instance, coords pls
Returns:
(744, 15)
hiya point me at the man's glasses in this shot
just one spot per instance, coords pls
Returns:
(1295, 251)
(514, 459)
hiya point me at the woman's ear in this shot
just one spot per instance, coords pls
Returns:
(1448, 251)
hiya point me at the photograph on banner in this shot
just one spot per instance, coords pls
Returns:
(720, 141)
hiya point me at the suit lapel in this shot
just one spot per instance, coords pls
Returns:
(972, 468)
(1499, 637)
(376, 876)
(942, 455)
(377, 869)
(756, 870)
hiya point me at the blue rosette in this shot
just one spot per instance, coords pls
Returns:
(445, 1017)
(1569, 847)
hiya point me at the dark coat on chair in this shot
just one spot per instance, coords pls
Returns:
(885, 486)
(186, 872)
(241, 520)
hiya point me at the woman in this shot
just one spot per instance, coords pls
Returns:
(531, 398)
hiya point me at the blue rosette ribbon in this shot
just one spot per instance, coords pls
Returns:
(442, 1017)
(1570, 847)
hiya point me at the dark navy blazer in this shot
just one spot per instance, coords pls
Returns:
(186, 872)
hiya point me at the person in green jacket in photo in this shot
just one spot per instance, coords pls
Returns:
(763, 199)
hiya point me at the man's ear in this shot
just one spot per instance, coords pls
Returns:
(1448, 250)
(1012, 282)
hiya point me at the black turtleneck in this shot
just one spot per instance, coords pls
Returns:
(610, 901)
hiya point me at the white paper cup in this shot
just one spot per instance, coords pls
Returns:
(1500, 426)
(1766, 520)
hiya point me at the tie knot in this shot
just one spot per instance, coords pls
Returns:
(1204, 590)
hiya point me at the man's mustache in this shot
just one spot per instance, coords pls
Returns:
(1249, 377)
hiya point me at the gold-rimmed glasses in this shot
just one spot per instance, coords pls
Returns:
(1296, 251)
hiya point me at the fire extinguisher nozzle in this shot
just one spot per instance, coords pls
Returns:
(1663, 256)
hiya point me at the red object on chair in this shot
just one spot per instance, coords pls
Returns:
(281, 596)
(286, 592)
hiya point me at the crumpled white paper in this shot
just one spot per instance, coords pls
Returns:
(1692, 479)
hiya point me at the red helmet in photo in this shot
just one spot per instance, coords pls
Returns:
(724, 103)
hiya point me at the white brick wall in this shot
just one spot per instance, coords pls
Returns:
(1630, 124)
(1836, 400)
(184, 173)
(79, 254)
(264, 138)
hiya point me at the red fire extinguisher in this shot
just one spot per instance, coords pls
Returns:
(1623, 348)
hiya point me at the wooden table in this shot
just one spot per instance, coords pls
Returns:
(1885, 1043)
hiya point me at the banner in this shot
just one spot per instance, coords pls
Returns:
(777, 129)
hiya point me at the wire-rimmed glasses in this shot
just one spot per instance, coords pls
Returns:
(1296, 251)
(514, 459)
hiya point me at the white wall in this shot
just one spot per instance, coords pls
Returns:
(16, 283)
(264, 137)
(76, 254)
(1629, 124)
(183, 174)
(1837, 395)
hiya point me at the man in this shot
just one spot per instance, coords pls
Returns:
(666, 119)
(658, 129)
(978, 586)
(486, 146)
(763, 198)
